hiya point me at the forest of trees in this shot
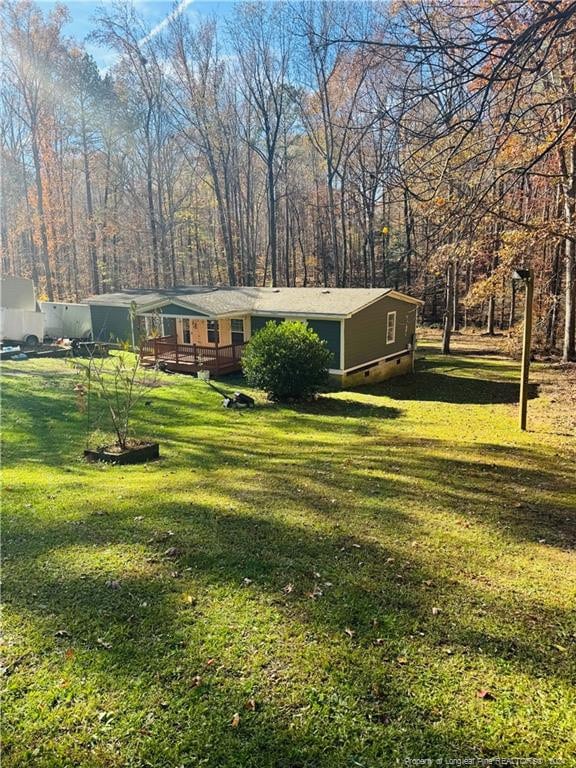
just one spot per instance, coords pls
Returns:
(421, 144)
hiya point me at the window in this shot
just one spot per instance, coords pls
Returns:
(213, 335)
(153, 325)
(237, 328)
(391, 328)
(186, 335)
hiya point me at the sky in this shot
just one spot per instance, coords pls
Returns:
(154, 12)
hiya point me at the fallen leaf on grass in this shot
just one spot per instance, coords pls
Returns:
(69, 653)
(251, 705)
(100, 641)
(435, 611)
(162, 536)
(61, 633)
(189, 600)
(113, 584)
(288, 588)
(196, 681)
(485, 694)
(349, 632)
(402, 660)
(172, 552)
(235, 720)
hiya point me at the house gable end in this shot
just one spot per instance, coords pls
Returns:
(173, 308)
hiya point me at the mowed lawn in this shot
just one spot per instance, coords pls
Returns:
(383, 575)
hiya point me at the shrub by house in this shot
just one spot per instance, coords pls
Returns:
(288, 360)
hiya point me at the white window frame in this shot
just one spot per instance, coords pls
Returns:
(239, 320)
(388, 339)
(186, 328)
(216, 330)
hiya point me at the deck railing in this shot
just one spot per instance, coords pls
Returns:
(194, 357)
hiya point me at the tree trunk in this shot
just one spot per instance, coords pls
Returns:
(446, 336)
(490, 316)
(272, 233)
(570, 301)
(455, 317)
(93, 259)
(44, 252)
(152, 215)
(512, 317)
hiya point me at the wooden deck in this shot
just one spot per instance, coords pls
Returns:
(190, 358)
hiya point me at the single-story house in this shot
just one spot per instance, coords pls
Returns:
(370, 331)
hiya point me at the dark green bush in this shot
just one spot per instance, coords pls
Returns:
(288, 360)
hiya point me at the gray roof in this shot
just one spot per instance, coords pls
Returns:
(141, 296)
(320, 301)
(338, 302)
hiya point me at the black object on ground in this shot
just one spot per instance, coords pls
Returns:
(236, 400)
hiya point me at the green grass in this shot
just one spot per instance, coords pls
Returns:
(345, 575)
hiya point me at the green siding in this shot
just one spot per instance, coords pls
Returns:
(257, 323)
(328, 330)
(110, 323)
(365, 332)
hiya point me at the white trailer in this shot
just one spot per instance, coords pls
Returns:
(66, 321)
(21, 318)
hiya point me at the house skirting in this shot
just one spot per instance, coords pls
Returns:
(375, 370)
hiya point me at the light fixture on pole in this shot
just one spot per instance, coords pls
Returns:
(527, 277)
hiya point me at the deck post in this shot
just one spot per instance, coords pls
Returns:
(155, 343)
(195, 353)
(176, 351)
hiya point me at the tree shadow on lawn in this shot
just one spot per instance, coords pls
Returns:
(531, 500)
(251, 553)
(346, 407)
(522, 494)
(431, 386)
(153, 638)
(381, 596)
(234, 545)
(58, 431)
